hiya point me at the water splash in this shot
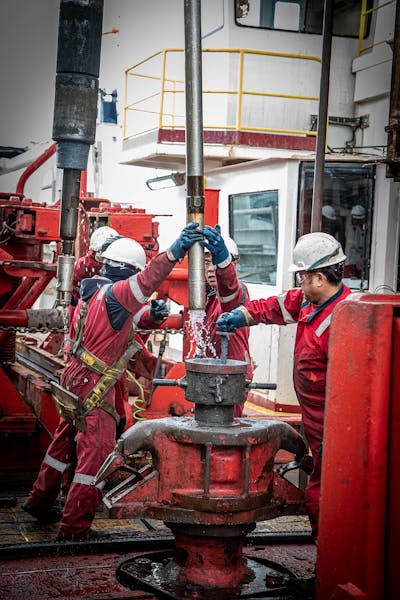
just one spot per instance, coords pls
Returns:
(200, 340)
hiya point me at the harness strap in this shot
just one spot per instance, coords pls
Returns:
(110, 374)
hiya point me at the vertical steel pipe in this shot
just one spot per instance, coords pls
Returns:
(74, 122)
(318, 187)
(194, 148)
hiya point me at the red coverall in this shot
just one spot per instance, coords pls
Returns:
(87, 266)
(231, 293)
(91, 448)
(309, 369)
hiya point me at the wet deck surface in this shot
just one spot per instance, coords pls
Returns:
(17, 527)
(88, 572)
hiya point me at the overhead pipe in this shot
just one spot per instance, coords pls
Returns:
(319, 169)
(38, 162)
(194, 148)
(75, 111)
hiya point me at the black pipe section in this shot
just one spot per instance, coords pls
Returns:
(69, 216)
(318, 187)
(77, 81)
(75, 112)
(393, 129)
(194, 148)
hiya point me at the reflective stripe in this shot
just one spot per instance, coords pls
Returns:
(136, 291)
(323, 326)
(102, 291)
(285, 313)
(139, 313)
(224, 299)
(56, 464)
(87, 480)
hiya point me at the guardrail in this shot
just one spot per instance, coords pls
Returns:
(160, 103)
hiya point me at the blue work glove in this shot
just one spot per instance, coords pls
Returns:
(215, 244)
(230, 321)
(189, 235)
(159, 310)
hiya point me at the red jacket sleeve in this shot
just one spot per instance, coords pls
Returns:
(231, 292)
(132, 293)
(278, 310)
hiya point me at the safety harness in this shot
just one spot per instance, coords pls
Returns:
(68, 404)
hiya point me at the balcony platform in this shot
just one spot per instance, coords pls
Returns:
(165, 148)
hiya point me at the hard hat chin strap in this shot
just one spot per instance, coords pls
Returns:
(320, 261)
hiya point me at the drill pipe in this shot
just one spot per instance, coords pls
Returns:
(194, 148)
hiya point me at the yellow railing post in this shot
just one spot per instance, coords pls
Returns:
(240, 92)
(160, 124)
(361, 30)
(125, 103)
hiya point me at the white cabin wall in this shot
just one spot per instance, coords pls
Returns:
(372, 71)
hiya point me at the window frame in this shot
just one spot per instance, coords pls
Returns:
(367, 28)
(231, 198)
(302, 228)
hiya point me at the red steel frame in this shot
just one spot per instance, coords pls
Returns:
(358, 543)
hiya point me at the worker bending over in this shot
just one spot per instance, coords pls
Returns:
(318, 261)
(224, 292)
(97, 358)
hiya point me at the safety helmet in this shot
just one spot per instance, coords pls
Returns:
(358, 212)
(231, 246)
(125, 251)
(329, 212)
(315, 251)
(100, 235)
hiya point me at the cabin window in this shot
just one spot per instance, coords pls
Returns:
(346, 213)
(254, 227)
(303, 16)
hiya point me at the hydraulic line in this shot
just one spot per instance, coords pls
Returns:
(138, 403)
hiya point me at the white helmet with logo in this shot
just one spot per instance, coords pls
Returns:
(100, 235)
(232, 247)
(125, 251)
(316, 251)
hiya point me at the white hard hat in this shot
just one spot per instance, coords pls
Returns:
(329, 212)
(100, 235)
(316, 251)
(232, 246)
(125, 251)
(358, 212)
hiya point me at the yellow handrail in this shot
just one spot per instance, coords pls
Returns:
(361, 32)
(169, 86)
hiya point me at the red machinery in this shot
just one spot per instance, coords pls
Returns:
(27, 228)
(225, 483)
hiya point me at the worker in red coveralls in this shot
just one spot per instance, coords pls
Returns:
(97, 357)
(149, 317)
(318, 261)
(224, 292)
